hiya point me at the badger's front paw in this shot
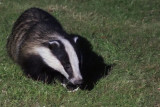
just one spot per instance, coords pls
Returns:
(70, 87)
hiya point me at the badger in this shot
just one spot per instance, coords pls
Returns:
(43, 49)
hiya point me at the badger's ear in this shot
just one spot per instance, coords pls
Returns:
(52, 44)
(75, 39)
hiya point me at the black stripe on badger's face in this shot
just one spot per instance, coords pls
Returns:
(58, 49)
(60, 55)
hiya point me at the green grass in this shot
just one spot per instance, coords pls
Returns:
(123, 32)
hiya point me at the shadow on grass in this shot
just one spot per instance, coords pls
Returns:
(93, 67)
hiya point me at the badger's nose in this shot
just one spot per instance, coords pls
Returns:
(78, 82)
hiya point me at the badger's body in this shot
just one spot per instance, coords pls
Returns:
(42, 48)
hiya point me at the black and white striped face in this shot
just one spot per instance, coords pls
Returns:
(60, 55)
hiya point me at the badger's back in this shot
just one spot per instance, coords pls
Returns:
(25, 24)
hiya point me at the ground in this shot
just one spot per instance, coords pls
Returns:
(125, 33)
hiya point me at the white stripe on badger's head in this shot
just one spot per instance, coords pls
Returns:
(73, 58)
(51, 60)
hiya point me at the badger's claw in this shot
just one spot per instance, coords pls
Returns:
(74, 90)
(70, 88)
(64, 85)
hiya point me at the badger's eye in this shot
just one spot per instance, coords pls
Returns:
(68, 66)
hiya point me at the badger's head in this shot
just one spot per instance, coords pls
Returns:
(62, 55)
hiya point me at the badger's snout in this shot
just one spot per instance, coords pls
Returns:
(78, 82)
(75, 81)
